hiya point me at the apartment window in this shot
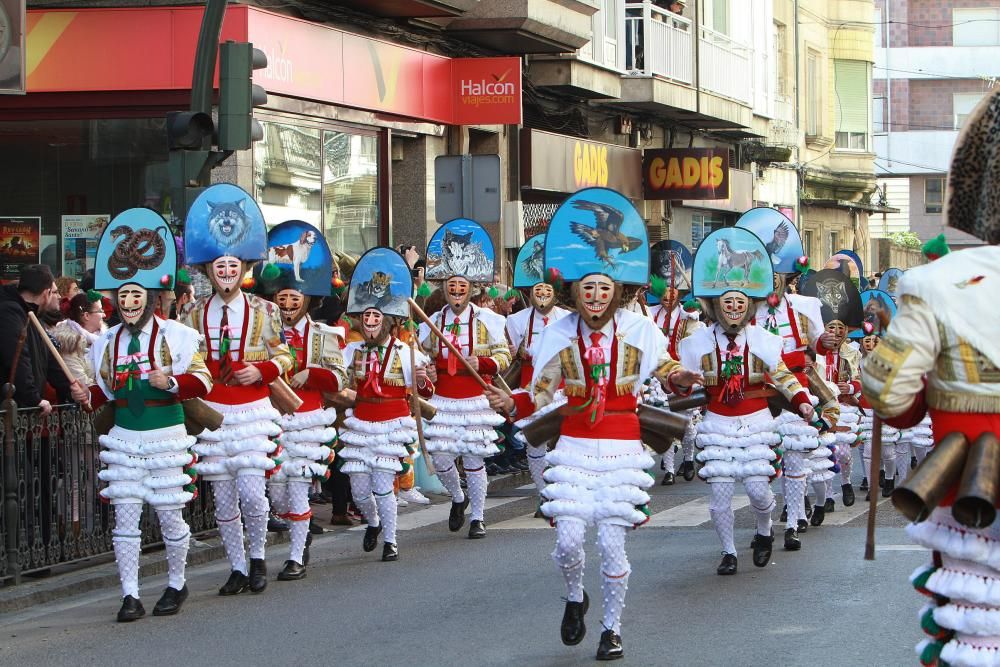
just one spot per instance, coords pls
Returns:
(814, 86)
(702, 226)
(877, 21)
(933, 195)
(781, 55)
(807, 242)
(976, 27)
(851, 105)
(716, 13)
(963, 104)
(834, 240)
(878, 115)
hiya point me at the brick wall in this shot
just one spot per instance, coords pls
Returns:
(936, 13)
(900, 101)
(930, 101)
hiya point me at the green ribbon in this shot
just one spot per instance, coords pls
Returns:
(732, 366)
(133, 391)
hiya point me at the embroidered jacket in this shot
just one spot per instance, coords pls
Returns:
(381, 377)
(476, 332)
(523, 329)
(676, 325)
(315, 347)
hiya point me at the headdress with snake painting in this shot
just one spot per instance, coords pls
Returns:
(137, 248)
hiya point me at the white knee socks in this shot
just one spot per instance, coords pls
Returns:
(762, 504)
(385, 499)
(569, 556)
(253, 502)
(176, 540)
(669, 459)
(614, 573)
(446, 471)
(536, 465)
(227, 517)
(795, 487)
(298, 514)
(721, 509)
(127, 540)
(361, 491)
(476, 481)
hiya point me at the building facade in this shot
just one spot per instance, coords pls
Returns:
(934, 61)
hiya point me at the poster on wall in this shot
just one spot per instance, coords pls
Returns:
(12, 13)
(80, 236)
(20, 241)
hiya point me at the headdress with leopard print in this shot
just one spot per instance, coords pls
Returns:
(973, 193)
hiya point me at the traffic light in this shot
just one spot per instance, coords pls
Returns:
(238, 95)
(188, 129)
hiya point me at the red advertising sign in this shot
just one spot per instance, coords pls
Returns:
(20, 245)
(685, 173)
(306, 60)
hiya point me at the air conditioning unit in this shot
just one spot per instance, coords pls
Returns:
(513, 224)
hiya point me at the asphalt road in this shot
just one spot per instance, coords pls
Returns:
(452, 601)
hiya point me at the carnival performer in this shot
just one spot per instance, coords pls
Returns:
(941, 355)
(308, 435)
(841, 314)
(244, 349)
(602, 353)
(670, 278)
(460, 253)
(797, 319)
(144, 368)
(524, 328)
(890, 436)
(737, 436)
(380, 432)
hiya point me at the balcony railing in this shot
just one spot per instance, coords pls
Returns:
(725, 66)
(660, 43)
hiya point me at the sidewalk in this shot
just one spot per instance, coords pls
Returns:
(100, 572)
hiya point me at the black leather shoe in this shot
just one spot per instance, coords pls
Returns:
(728, 565)
(292, 571)
(238, 583)
(276, 525)
(573, 628)
(828, 505)
(492, 469)
(888, 487)
(686, 471)
(668, 479)
(315, 528)
(539, 514)
(389, 552)
(258, 575)
(456, 518)
(131, 610)
(170, 602)
(802, 527)
(477, 529)
(809, 507)
(762, 545)
(792, 542)
(818, 515)
(371, 537)
(913, 462)
(305, 552)
(864, 484)
(848, 494)
(521, 465)
(784, 514)
(610, 647)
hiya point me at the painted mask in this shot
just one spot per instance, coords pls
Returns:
(226, 273)
(543, 297)
(456, 291)
(733, 310)
(597, 299)
(670, 297)
(374, 326)
(134, 306)
(839, 331)
(293, 305)
(869, 343)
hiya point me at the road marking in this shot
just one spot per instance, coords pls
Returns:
(900, 547)
(842, 516)
(437, 513)
(692, 513)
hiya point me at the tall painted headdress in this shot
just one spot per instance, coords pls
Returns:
(780, 238)
(889, 282)
(670, 265)
(840, 299)
(136, 247)
(462, 248)
(849, 265)
(381, 280)
(529, 267)
(298, 258)
(224, 221)
(732, 259)
(971, 204)
(877, 310)
(857, 261)
(597, 230)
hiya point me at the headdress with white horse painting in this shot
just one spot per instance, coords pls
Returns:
(732, 259)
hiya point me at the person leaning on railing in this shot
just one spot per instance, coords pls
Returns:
(35, 292)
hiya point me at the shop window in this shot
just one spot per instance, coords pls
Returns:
(702, 226)
(350, 191)
(933, 195)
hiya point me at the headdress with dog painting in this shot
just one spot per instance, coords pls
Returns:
(224, 221)
(298, 258)
(877, 309)
(381, 280)
(136, 248)
(597, 230)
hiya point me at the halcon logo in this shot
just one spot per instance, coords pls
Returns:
(498, 91)
(279, 68)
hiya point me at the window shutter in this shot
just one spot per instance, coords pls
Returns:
(852, 100)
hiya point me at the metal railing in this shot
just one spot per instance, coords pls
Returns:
(52, 511)
(658, 43)
(725, 66)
